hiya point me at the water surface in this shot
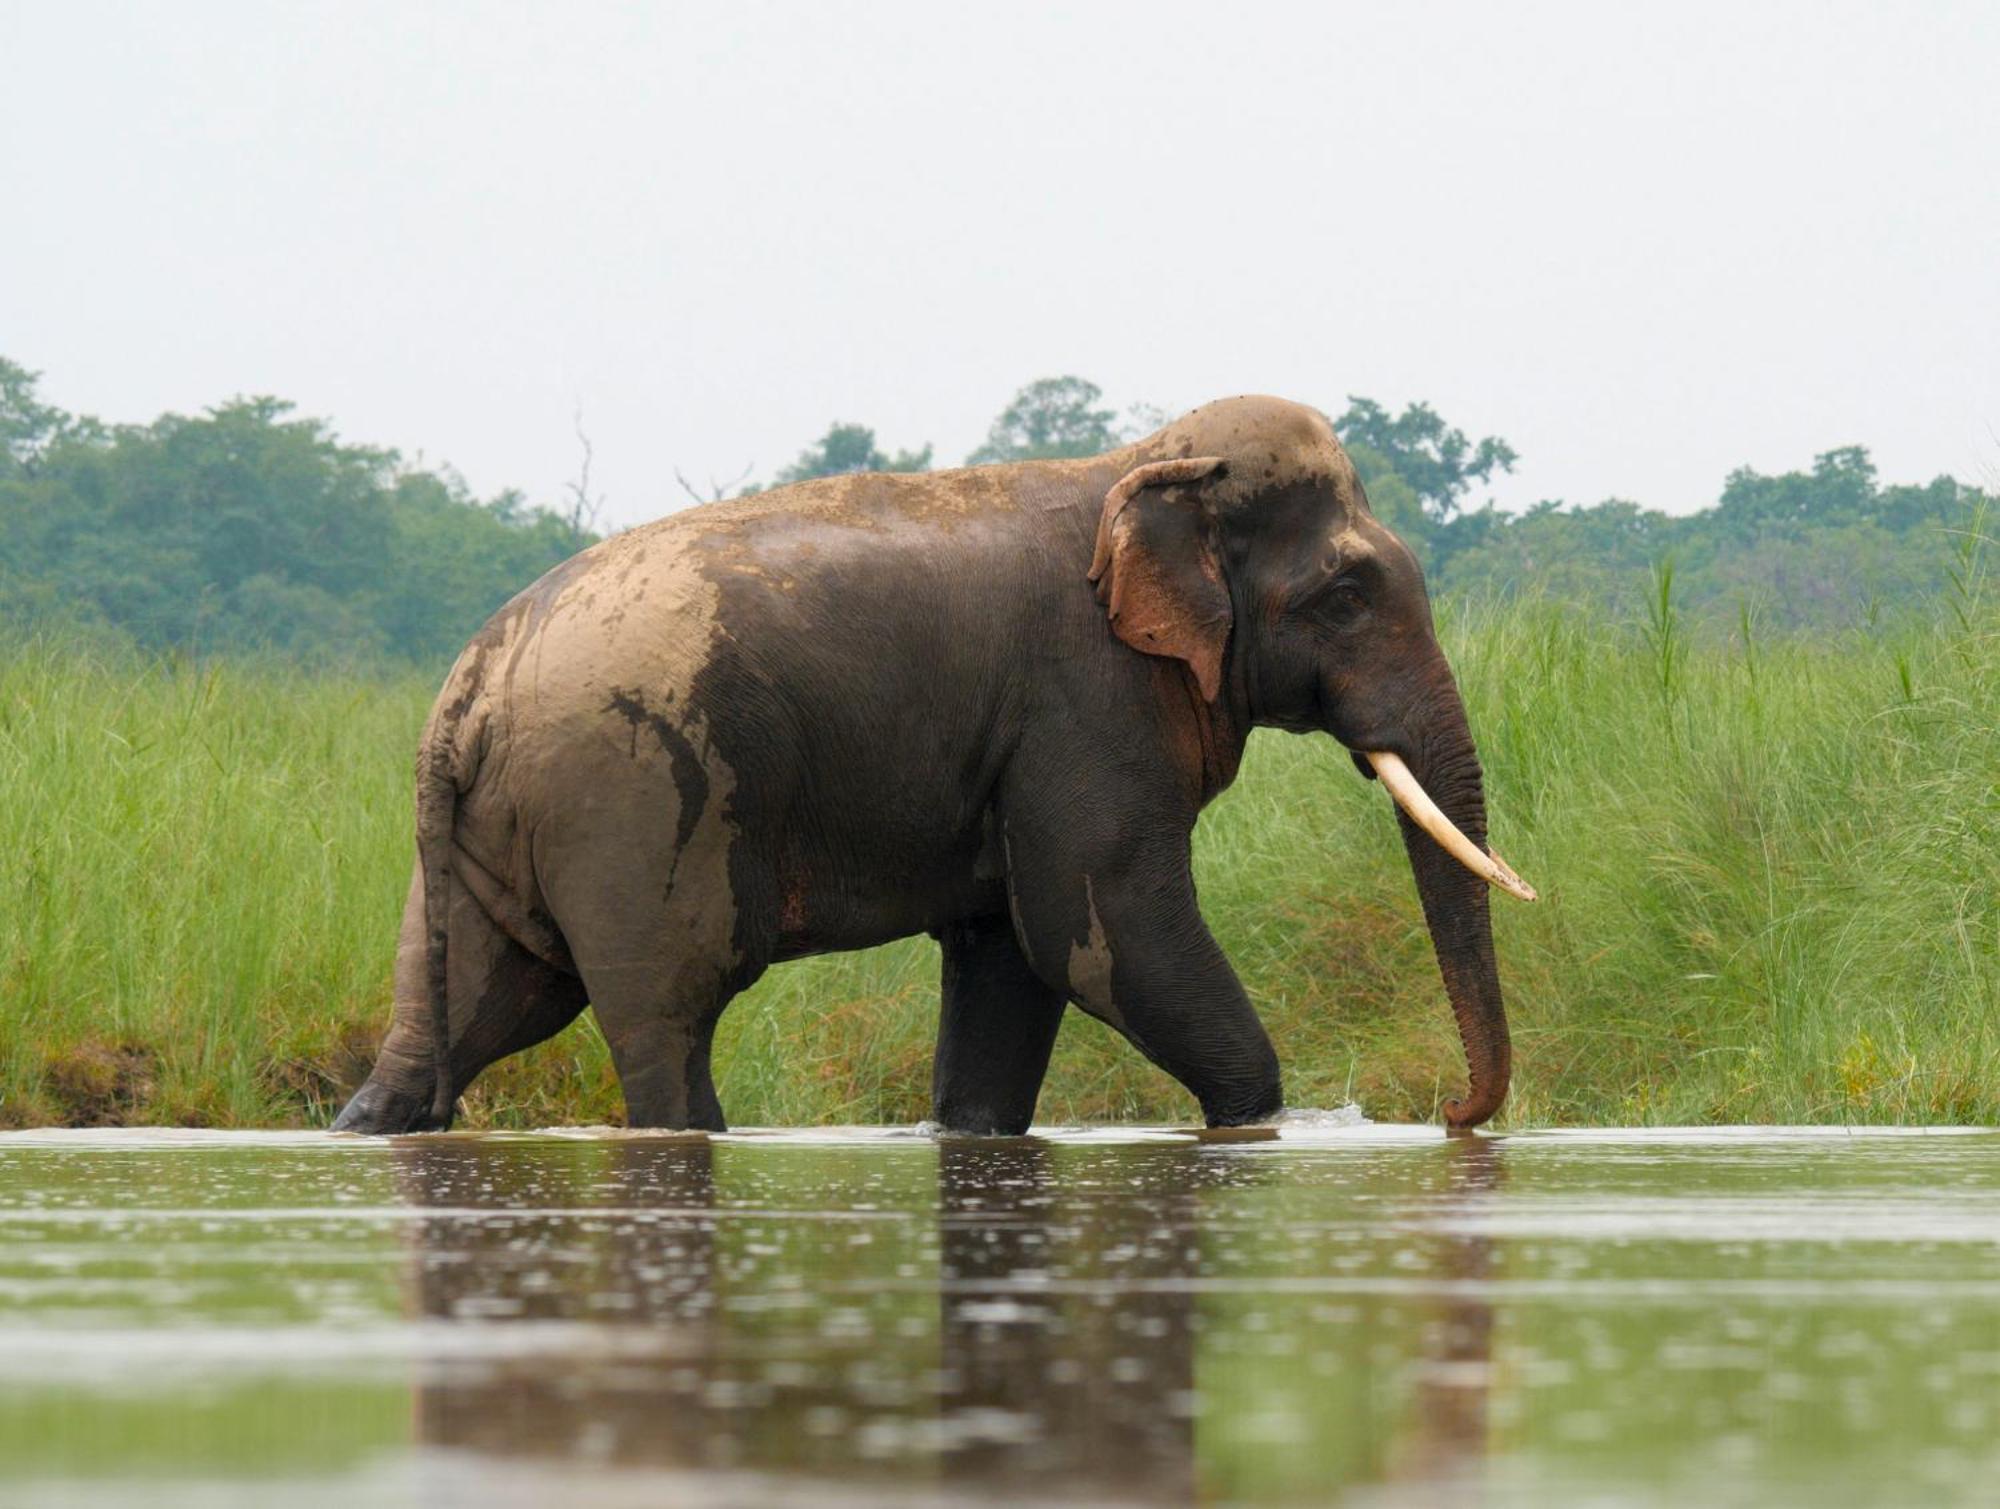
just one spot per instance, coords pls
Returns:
(1336, 1313)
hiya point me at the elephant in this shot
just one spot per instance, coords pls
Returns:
(984, 704)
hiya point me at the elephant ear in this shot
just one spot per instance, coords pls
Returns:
(1157, 571)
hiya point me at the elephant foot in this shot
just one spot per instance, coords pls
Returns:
(979, 1122)
(1249, 1106)
(379, 1111)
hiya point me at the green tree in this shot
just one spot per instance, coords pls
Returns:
(27, 425)
(848, 448)
(249, 527)
(1583, 554)
(1054, 416)
(1839, 488)
(1436, 462)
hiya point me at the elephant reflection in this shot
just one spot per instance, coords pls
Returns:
(721, 1333)
(640, 1250)
(1444, 1435)
(1055, 1349)
(1090, 1384)
(1088, 1324)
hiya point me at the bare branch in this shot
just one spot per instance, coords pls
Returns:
(584, 506)
(717, 491)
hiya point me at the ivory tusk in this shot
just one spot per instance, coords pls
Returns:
(1425, 813)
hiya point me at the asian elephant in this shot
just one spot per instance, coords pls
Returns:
(985, 705)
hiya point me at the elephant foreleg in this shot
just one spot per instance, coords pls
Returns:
(1104, 906)
(996, 1031)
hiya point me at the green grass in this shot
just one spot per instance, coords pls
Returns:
(1771, 876)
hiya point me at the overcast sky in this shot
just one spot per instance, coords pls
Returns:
(1644, 244)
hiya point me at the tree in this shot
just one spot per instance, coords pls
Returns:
(738, 486)
(250, 527)
(1055, 416)
(1436, 462)
(1582, 554)
(27, 426)
(1839, 489)
(848, 448)
(585, 507)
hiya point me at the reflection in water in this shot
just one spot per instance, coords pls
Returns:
(882, 1319)
(1036, 1327)
(640, 1256)
(1444, 1439)
(1065, 1390)
(741, 1353)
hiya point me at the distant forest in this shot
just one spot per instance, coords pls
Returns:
(251, 529)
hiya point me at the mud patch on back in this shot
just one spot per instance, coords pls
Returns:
(690, 778)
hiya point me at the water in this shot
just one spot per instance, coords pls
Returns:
(1336, 1313)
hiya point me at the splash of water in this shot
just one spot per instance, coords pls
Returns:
(1307, 1119)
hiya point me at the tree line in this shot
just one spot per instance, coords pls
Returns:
(1825, 547)
(252, 528)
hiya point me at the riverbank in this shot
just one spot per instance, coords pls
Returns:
(1771, 893)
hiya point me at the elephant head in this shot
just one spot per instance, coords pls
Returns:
(1239, 541)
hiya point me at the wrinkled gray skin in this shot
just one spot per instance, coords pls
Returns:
(985, 705)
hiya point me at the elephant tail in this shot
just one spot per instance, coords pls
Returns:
(437, 813)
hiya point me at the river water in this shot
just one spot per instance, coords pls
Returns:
(1328, 1313)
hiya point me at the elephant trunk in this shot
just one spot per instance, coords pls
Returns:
(1454, 895)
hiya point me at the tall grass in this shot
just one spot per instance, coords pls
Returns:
(1769, 872)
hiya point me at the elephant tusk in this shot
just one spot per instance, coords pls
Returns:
(1425, 813)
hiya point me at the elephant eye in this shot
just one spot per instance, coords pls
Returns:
(1345, 595)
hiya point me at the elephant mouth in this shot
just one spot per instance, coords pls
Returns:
(1410, 795)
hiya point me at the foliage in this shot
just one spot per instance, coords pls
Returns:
(851, 448)
(1050, 418)
(1768, 870)
(1823, 548)
(1423, 456)
(248, 528)
(27, 425)
(1768, 861)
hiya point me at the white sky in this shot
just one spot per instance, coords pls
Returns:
(1645, 244)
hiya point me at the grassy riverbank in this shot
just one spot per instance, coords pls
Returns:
(1771, 875)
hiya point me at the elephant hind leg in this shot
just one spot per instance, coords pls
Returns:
(657, 985)
(501, 999)
(664, 935)
(658, 1017)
